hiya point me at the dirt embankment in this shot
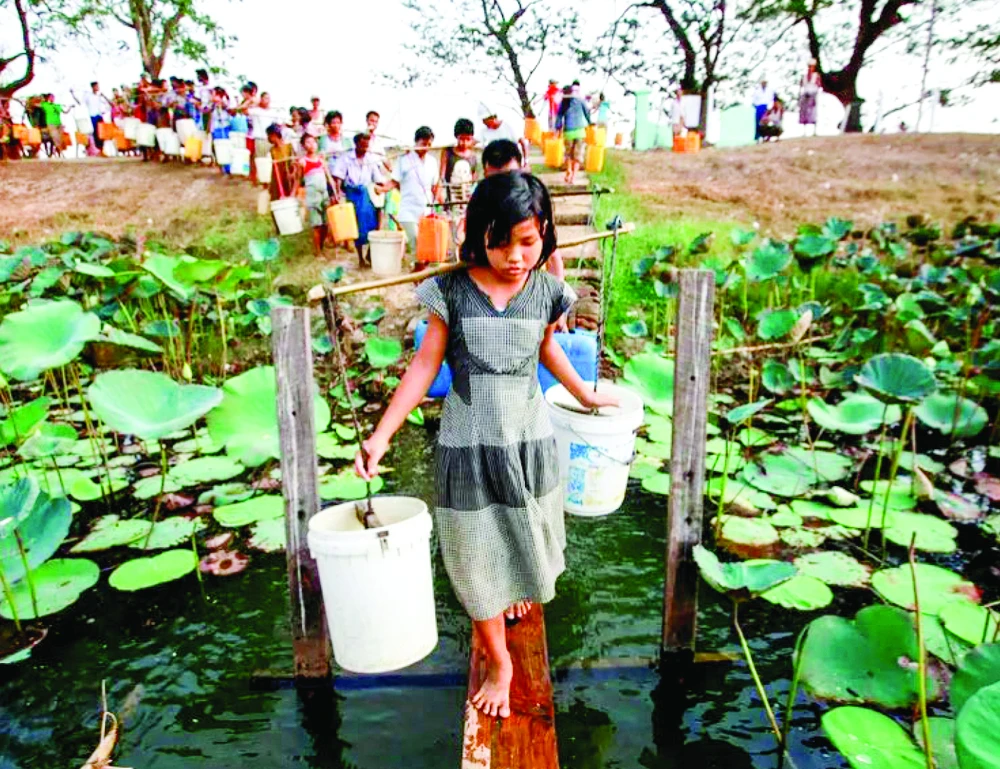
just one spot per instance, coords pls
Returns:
(868, 179)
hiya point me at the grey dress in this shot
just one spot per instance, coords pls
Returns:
(499, 510)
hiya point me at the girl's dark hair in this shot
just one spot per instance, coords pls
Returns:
(273, 130)
(329, 117)
(500, 203)
(500, 152)
(307, 135)
(464, 127)
(304, 117)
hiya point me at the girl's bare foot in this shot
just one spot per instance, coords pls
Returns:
(493, 697)
(518, 610)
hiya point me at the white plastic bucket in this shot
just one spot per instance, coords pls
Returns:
(386, 249)
(186, 128)
(206, 146)
(84, 125)
(287, 216)
(168, 141)
(239, 164)
(145, 135)
(109, 150)
(223, 152)
(237, 139)
(595, 451)
(378, 587)
(263, 170)
(130, 127)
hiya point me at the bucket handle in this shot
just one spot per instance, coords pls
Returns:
(604, 453)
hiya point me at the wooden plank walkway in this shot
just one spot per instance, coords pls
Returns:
(526, 740)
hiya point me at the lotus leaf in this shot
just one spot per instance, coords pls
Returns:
(775, 324)
(657, 483)
(767, 261)
(744, 412)
(194, 472)
(652, 449)
(346, 485)
(977, 739)
(979, 668)
(169, 532)
(932, 534)
(738, 493)
(937, 587)
(382, 352)
(268, 535)
(49, 440)
(776, 377)
(644, 466)
(22, 420)
(264, 250)
(942, 741)
(899, 493)
(752, 437)
(328, 447)
(896, 378)
(741, 577)
(779, 474)
(801, 592)
(785, 517)
(260, 508)
(124, 339)
(834, 568)
(164, 268)
(153, 486)
(148, 404)
(46, 335)
(952, 415)
(809, 509)
(857, 414)
(652, 377)
(748, 531)
(57, 584)
(40, 522)
(198, 270)
(865, 659)
(198, 445)
(800, 536)
(140, 573)
(111, 531)
(870, 740)
(811, 247)
(971, 622)
(822, 465)
(919, 339)
(247, 420)
(659, 429)
(225, 494)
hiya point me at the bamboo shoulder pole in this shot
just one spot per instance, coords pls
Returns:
(317, 292)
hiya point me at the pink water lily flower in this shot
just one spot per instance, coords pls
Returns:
(222, 563)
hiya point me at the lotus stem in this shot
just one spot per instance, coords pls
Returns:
(921, 657)
(194, 549)
(222, 327)
(793, 691)
(96, 446)
(9, 595)
(164, 467)
(753, 673)
(27, 572)
(894, 467)
(878, 473)
(746, 285)
(722, 491)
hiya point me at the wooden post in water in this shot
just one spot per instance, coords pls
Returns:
(291, 342)
(687, 460)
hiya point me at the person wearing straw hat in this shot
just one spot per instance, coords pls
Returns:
(353, 174)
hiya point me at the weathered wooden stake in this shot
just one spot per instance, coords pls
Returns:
(291, 342)
(687, 459)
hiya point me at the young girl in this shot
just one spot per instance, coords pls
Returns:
(499, 501)
(314, 178)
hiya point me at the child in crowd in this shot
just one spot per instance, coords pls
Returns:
(572, 121)
(312, 170)
(333, 143)
(499, 509)
(459, 164)
(416, 176)
(281, 163)
(219, 119)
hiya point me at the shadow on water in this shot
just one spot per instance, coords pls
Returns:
(179, 662)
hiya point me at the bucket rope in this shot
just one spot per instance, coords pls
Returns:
(602, 452)
(614, 225)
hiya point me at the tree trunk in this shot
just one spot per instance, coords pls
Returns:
(842, 84)
(703, 114)
(12, 87)
(519, 82)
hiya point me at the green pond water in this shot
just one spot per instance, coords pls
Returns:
(180, 663)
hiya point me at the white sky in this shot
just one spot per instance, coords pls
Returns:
(297, 48)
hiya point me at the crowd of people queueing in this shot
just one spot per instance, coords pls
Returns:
(770, 108)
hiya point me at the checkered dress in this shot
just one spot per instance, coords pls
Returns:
(499, 503)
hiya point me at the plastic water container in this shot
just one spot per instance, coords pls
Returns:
(239, 165)
(555, 153)
(130, 126)
(378, 586)
(595, 159)
(223, 152)
(386, 249)
(192, 148)
(287, 215)
(239, 124)
(238, 138)
(105, 131)
(186, 128)
(433, 237)
(109, 150)
(33, 137)
(343, 222)
(692, 142)
(145, 135)
(168, 142)
(595, 451)
(581, 349)
(122, 143)
(84, 126)
(263, 166)
(207, 150)
(532, 130)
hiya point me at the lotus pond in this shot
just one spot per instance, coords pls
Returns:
(853, 475)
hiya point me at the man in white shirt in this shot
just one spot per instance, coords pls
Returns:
(261, 116)
(494, 128)
(416, 177)
(203, 93)
(353, 174)
(94, 102)
(763, 98)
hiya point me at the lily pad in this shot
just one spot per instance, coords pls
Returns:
(148, 404)
(822, 465)
(979, 668)
(247, 420)
(46, 335)
(57, 584)
(262, 508)
(767, 261)
(141, 573)
(39, 521)
(739, 493)
(942, 741)
(834, 568)
(652, 449)
(347, 485)
(741, 413)
(652, 377)
(169, 532)
(659, 429)
(857, 414)
(802, 536)
(938, 586)
(225, 494)
(382, 352)
(952, 415)
(657, 483)
(870, 740)
(778, 474)
(969, 621)
(748, 531)
(896, 378)
(111, 531)
(933, 534)
(194, 472)
(977, 739)
(268, 536)
(867, 659)
(22, 420)
(747, 578)
(153, 486)
(774, 324)
(802, 592)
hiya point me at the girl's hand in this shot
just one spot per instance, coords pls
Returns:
(594, 400)
(375, 448)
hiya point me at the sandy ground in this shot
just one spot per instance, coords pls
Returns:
(865, 178)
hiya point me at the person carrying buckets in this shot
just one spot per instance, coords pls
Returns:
(352, 174)
(499, 508)
(416, 176)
